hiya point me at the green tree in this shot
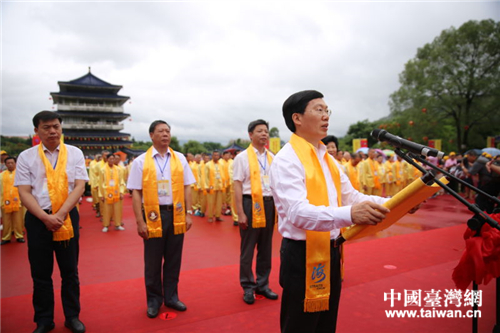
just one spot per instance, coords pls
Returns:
(453, 81)
(211, 146)
(14, 145)
(193, 147)
(274, 132)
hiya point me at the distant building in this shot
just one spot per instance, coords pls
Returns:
(92, 110)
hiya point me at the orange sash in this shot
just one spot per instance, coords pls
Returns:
(317, 242)
(57, 183)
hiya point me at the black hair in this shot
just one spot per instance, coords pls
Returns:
(297, 103)
(155, 123)
(331, 138)
(45, 116)
(256, 123)
(10, 158)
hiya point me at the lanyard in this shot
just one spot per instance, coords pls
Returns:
(164, 165)
(265, 162)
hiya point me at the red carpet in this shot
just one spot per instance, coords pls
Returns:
(417, 253)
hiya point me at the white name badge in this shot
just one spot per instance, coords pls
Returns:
(266, 184)
(111, 183)
(163, 188)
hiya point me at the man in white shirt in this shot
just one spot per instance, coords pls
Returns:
(163, 252)
(307, 115)
(40, 191)
(255, 234)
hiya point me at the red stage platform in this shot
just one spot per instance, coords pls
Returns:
(418, 253)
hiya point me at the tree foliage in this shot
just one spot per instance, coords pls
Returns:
(14, 145)
(274, 132)
(194, 147)
(452, 87)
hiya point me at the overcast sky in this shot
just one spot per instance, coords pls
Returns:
(210, 67)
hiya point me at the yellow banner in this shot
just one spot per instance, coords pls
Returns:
(356, 144)
(274, 145)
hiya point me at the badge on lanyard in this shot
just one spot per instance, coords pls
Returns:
(111, 183)
(163, 188)
(265, 182)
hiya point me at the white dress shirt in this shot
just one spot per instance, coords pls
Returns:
(31, 171)
(296, 214)
(241, 170)
(162, 165)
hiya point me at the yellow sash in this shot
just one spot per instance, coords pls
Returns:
(352, 171)
(376, 180)
(317, 242)
(11, 198)
(150, 193)
(57, 184)
(258, 212)
(112, 192)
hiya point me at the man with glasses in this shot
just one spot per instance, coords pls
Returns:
(314, 199)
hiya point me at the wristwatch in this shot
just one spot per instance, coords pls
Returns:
(189, 211)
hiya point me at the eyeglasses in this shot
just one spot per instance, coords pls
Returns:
(322, 111)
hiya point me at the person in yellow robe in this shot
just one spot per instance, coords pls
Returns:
(93, 180)
(202, 192)
(370, 178)
(390, 179)
(110, 194)
(96, 169)
(352, 170)
(398, 172)
(215, 184)
(123, 175)
(12, 209)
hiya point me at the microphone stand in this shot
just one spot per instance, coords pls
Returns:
(475, 223)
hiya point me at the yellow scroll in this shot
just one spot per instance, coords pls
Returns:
(400, 204)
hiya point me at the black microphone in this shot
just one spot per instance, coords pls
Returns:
(396, 141)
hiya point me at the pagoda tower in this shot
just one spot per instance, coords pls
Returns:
(92, 110)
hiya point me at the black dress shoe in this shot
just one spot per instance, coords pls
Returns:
(75, 325)
(249, 297)
(40, 328)
(153, 312)
(179, 306)
(5, 242)
(20, 240)
(268, 293)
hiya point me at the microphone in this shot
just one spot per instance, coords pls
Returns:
(396, 141)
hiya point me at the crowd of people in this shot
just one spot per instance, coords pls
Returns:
(311, 188)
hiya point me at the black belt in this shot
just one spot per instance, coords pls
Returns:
(168, 208)
(248, 196)
(48, 211)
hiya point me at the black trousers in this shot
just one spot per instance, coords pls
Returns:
(41, 249)
(292, 279)
(262, 238)
(162, 263)
(493, 189)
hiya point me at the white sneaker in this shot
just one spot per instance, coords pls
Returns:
(105, 229)
(120, 228)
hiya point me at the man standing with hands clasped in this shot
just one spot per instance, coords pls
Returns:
(160, 181)
(256, 212)
(314, 199)
(51, 178)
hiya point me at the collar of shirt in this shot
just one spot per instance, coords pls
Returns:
(156, 153)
